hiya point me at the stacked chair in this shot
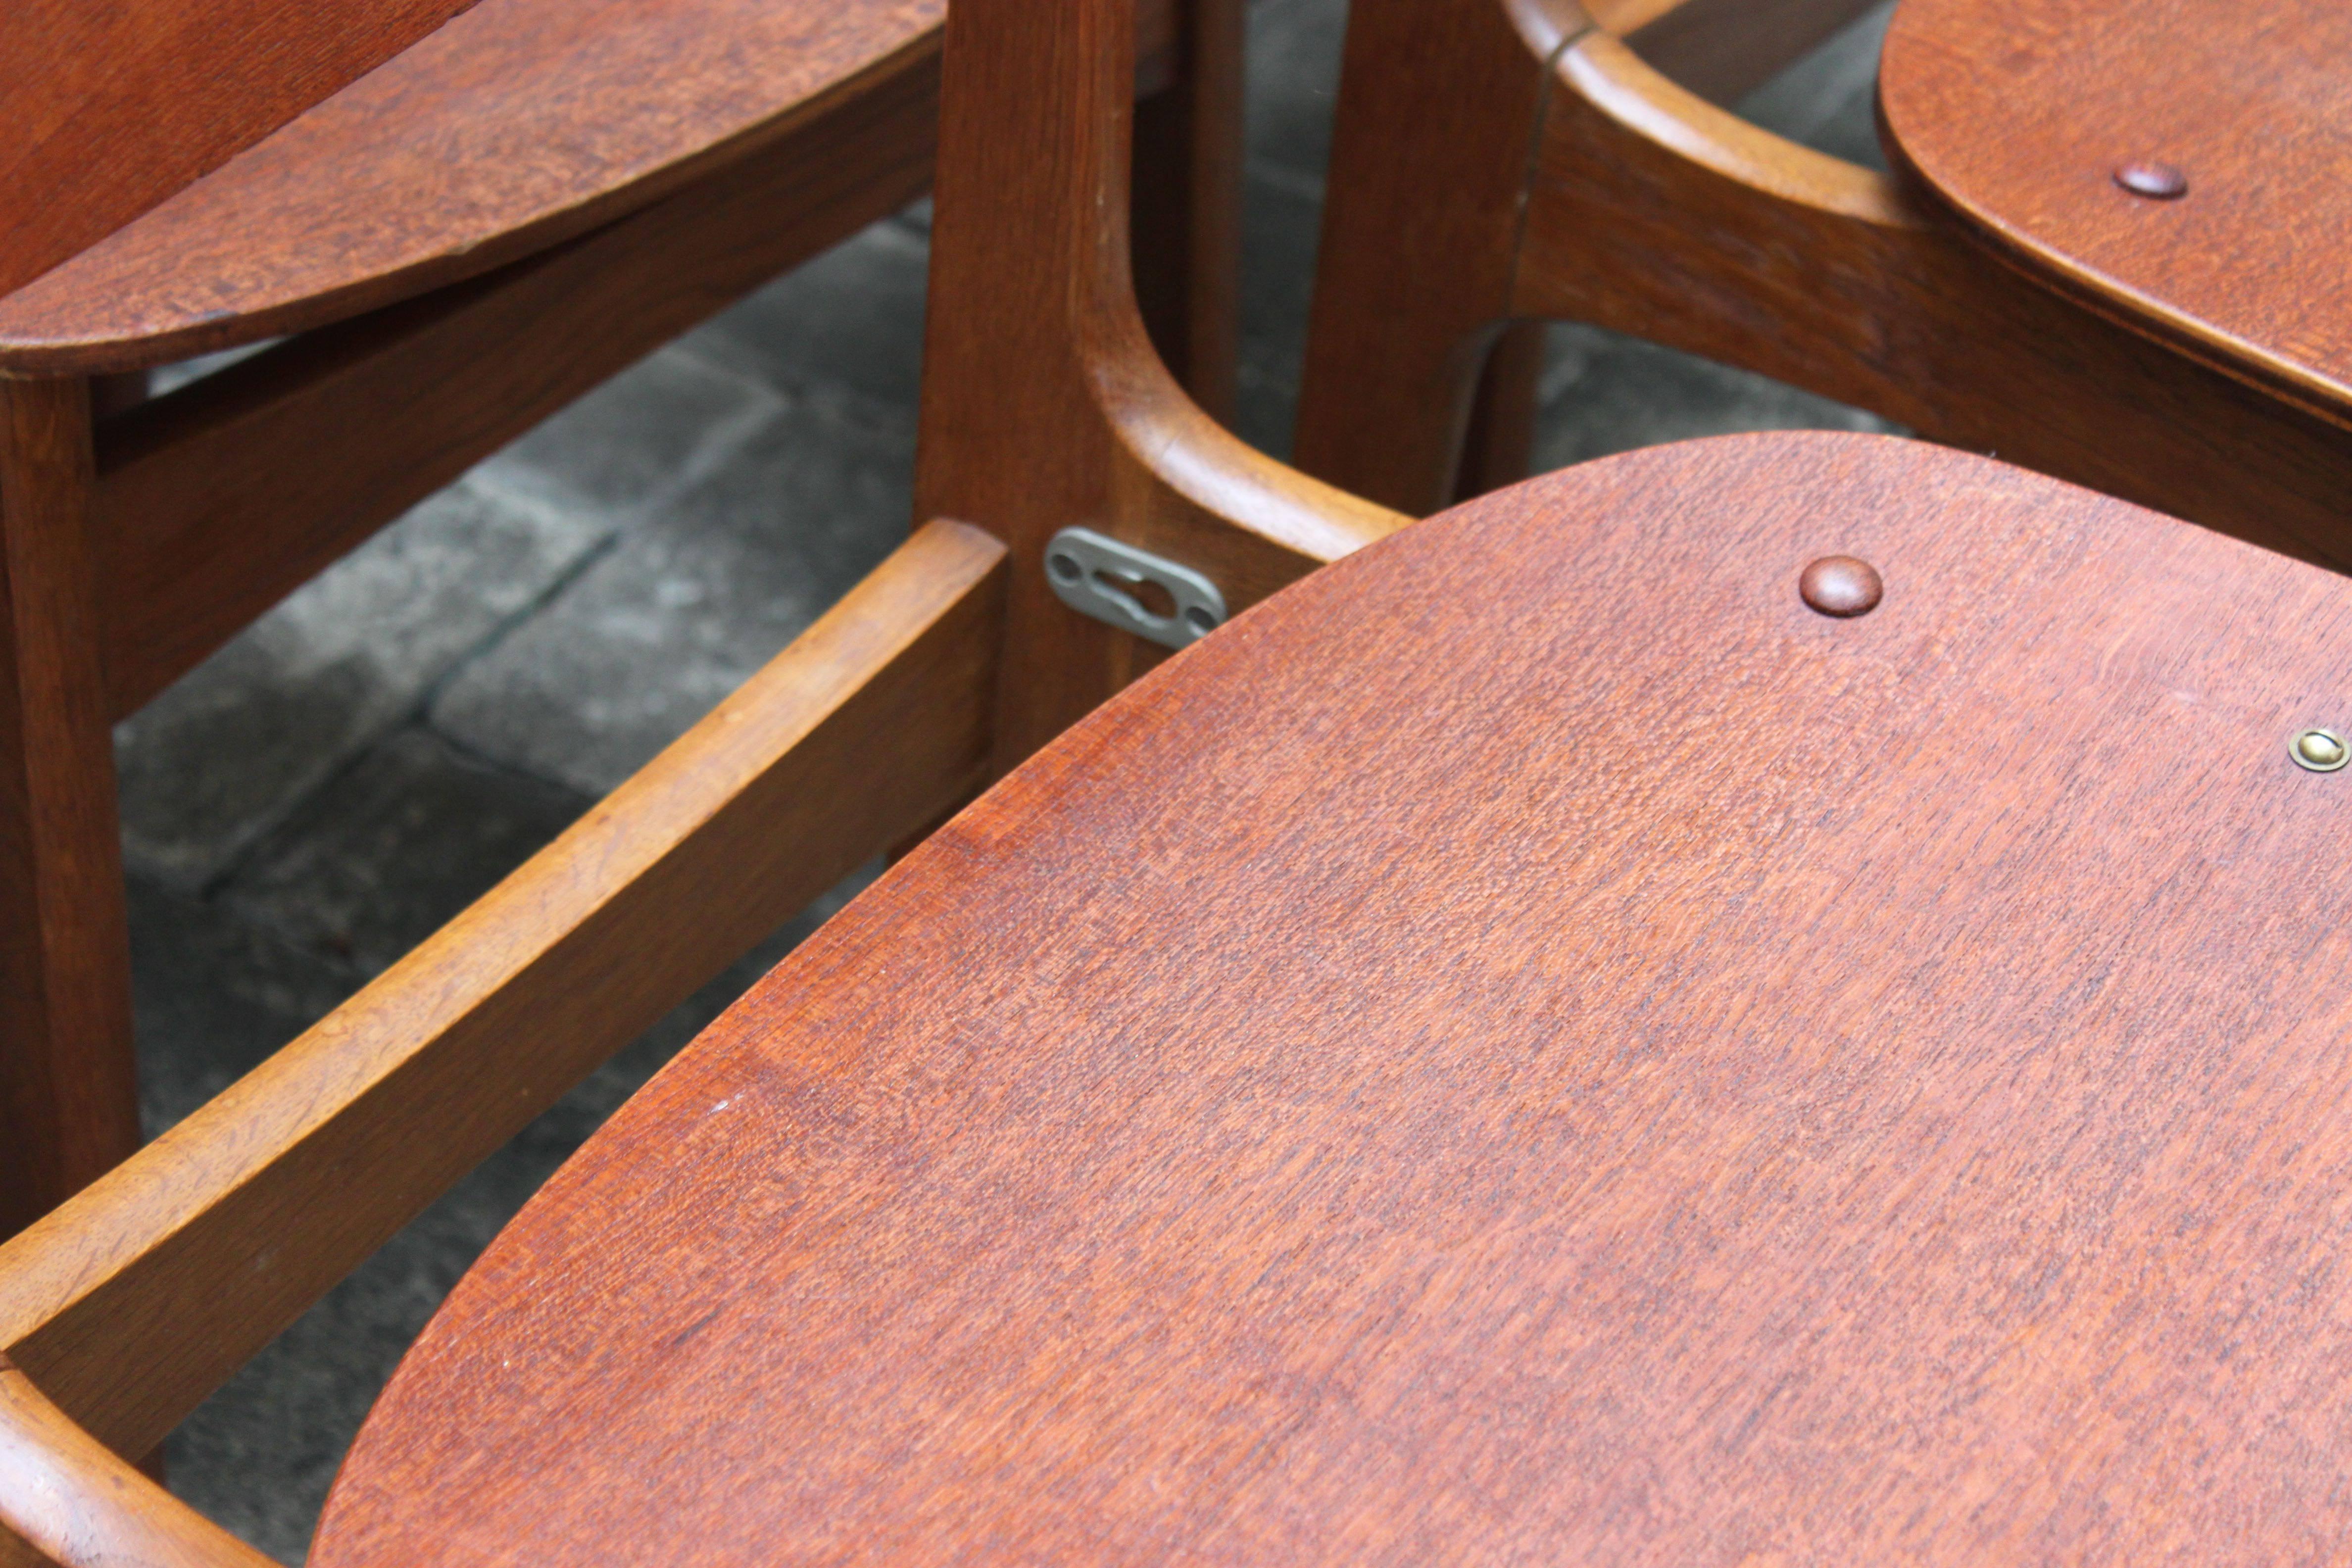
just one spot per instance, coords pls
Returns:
(461, 215)
(2009, 291)
(1767, 1000)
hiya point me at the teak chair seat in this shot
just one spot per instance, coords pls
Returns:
(1647, 210)
(467, 214)
(1536, 1044)
(514, 125)
(2251, 106)
(1462, 1067)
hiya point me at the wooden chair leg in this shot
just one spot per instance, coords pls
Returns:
(1720, 50)
(1187, 209)
(119, 393)
(1420, 244)
(1044, 405)
(68, 1090)
(1500, 445)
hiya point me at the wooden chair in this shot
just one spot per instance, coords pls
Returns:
(465, 215)
(1645, 208)
(1599, 1028)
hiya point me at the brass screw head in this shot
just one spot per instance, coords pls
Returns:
(2320, 751)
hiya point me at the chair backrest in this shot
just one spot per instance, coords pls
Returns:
(109, 109)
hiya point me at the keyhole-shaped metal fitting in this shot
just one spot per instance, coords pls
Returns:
(1132, 589)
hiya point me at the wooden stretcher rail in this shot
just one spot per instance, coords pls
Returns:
(70, 1499)
(130, 1304)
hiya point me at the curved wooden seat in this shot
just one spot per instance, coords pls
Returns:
(2020, 117)
(490, 138)
(1533, 1045)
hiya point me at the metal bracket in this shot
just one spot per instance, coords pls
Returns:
(1098, 576)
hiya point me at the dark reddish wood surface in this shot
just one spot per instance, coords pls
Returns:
(1185, 206)
(524, 122)
(69, 1103)
(1532, 1047)
(520, 122)
(2019, 116)
(106, 109)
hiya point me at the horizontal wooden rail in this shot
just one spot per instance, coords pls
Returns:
(135, 1299)
(1654, 212)
(67, 1499)
(215, 502)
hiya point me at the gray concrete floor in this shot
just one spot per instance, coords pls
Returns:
(386, 745)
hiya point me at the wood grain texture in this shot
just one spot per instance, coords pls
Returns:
(69, 1108)
(1651, 212)
(109, 109)
(1656, 214)
(2018, 118)
(85, 1505)
(1707, 1084)
(523, 123)
(216, 501)
(519, 123)
(1044, 405)
(134, 1300)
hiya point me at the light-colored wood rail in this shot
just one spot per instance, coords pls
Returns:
(133, 1301)
(75, 1501)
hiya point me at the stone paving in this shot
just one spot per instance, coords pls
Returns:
(386, 745)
